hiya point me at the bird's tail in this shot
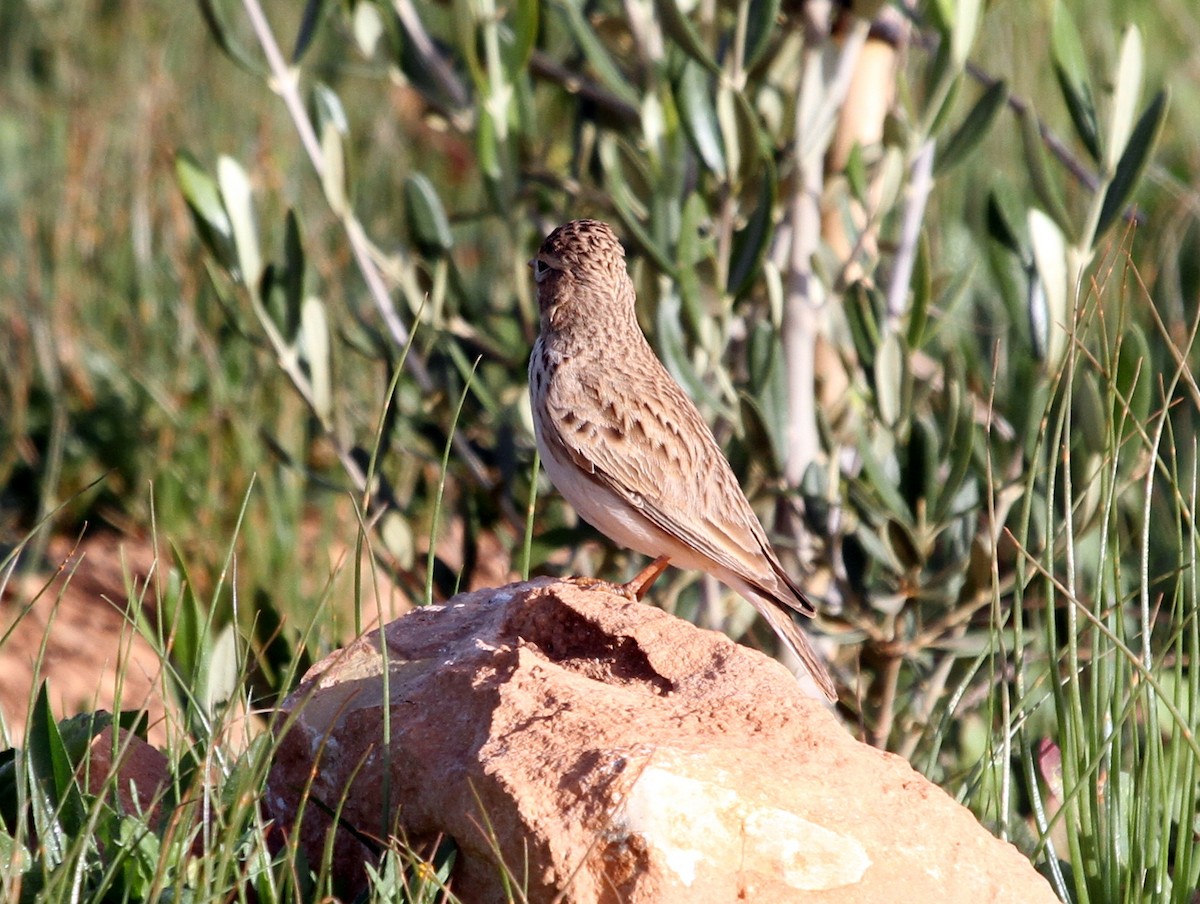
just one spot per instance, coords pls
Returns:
(791, 634)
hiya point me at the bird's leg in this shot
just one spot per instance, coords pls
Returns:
(632, 590)
(640, 585)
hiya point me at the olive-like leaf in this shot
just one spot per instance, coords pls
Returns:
(313, 342)
(922, 290)
(674, 354)
(214, 18)
(203, 198)
(883, 484)
(308, 26)
(760, 24)
(1070, 67)
(891, 379)
(973, 129)
(1044, 184)
(1127, 91)
(367, 26)
(584, 33)
(524, 37)
(750, 243)
(677, 25)
(292, 277)
(1132, 163)
(334, 180)
(238, 199)
(963, 29)
(863, 306)
(693, 98)
(688, 254)
(1005, 219)
(1049, 292)
(426, 216)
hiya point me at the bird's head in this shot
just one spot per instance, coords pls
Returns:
(580, 273)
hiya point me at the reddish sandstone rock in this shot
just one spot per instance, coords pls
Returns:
(608, 751)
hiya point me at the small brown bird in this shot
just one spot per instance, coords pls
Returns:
(629, 450)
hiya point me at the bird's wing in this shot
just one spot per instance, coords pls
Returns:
(659, 455)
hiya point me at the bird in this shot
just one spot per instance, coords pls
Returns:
(628, 448)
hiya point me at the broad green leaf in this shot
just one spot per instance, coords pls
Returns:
(699, 118)
(1049, 298)
(238, 199)
(1132, 163)
(973, 129)
(49, 777)
(426, 216)
(1044, 184)
(1127, 91)
(750, 243)
(1070, 66)
(680, 29)
(203, 198)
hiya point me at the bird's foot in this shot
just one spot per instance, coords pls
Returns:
(632, 590)
(586, 583)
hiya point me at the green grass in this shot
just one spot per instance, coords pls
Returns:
(1000, 513)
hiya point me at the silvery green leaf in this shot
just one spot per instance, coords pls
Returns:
(1127, 91)
(1132, 163)
(1070, 65)
(367, 26)
(238, 199)
(313, 345)
(973, 129)
(1048, 309)
(426, 216)
(203, 198)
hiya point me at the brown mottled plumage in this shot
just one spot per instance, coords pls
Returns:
(627, 447)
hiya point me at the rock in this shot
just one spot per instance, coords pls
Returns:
(608, 751)
(138, 776)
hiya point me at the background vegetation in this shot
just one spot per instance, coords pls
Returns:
(949, 351)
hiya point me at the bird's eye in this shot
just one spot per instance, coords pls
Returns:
(540, 269)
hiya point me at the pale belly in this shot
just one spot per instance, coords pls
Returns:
(617, 519)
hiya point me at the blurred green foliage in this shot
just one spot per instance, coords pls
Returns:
(954, 370)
